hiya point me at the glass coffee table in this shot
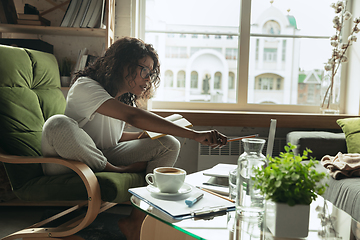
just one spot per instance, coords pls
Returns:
(159, 225)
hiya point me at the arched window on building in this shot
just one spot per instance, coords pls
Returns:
(194, 79)
(217, 80)
(180, 79)
(169, 78)
(231, 80)
(269, 82)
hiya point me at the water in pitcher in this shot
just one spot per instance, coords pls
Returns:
(250, 203)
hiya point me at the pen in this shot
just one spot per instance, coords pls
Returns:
(218, 195)
(140, 135)
(194, 199)
(214, 184)
(239, 138)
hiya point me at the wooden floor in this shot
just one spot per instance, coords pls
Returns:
(14, 218)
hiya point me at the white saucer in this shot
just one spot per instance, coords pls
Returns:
(186, 188)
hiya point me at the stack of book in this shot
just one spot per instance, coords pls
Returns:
(84, 14)
(32, 19)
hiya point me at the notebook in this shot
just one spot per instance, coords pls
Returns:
(176, 206)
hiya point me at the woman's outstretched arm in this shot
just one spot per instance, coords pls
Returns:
(149, 121)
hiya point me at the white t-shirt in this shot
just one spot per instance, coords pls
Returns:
(83, 99)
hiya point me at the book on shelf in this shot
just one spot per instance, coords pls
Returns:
(86, 60)
(81, 14)
(32, 22)
(8, 12)
(102, 23)
(89, 13)
(68, 13)
(82, 52)
(75, 13)
(96, 15)
(84, 13)
(174, 118)
(32, 19)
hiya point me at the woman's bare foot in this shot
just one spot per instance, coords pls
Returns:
(131, 226)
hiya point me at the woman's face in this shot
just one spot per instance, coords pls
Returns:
(142, 80)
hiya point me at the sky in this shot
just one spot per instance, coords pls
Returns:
(313, 17)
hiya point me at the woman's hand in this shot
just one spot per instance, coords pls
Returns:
(211, 138)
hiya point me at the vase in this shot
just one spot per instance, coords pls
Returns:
(287, 221)
(250, 203)
(330, 95)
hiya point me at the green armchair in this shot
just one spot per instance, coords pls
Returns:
(29, 94)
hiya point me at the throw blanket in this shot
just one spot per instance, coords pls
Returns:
(342, 165)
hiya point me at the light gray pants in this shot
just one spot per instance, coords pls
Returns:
(62, 137)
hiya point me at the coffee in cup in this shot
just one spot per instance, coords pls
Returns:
(166, 179)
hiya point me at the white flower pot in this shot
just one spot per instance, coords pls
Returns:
(287, 222)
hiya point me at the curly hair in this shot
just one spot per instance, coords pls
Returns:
(109, 69)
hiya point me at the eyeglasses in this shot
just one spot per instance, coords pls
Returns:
(145, 73)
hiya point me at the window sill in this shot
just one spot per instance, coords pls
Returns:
(257, 119)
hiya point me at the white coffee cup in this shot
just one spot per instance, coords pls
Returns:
(166, 179)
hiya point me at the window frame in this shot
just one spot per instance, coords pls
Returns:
(244, 35)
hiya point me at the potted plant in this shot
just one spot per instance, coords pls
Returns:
(65, 72)
(289, 185)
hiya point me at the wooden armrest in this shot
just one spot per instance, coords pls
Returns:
(86, 175)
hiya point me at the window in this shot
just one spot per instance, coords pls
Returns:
(231, 53)
(278, 84)
(270, 54)
(169, 78)
(180, 79)
(283, 57)
(231, 80)
(194, 79)
(175, 52)
(217, 80)
(273, 41)
(265, 84)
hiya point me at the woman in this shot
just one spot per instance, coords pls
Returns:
(104, 97)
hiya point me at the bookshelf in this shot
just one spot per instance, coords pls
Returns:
(107, 33)
(88, 35)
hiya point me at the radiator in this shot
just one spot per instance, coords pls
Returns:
(208, 157)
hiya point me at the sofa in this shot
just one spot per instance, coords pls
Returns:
(343, 193)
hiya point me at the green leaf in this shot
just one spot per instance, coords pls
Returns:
(277, 183)
(295, 176)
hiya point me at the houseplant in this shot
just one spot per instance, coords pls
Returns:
(65, 72)
(289, 185)
(331, 83)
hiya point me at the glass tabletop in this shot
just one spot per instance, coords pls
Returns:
(216, 226)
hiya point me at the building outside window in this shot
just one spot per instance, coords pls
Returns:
(217, 80)
(180, 79)
(231, 80)
(278, 41)
(194, 79)
(270, 54)
(169, 78)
